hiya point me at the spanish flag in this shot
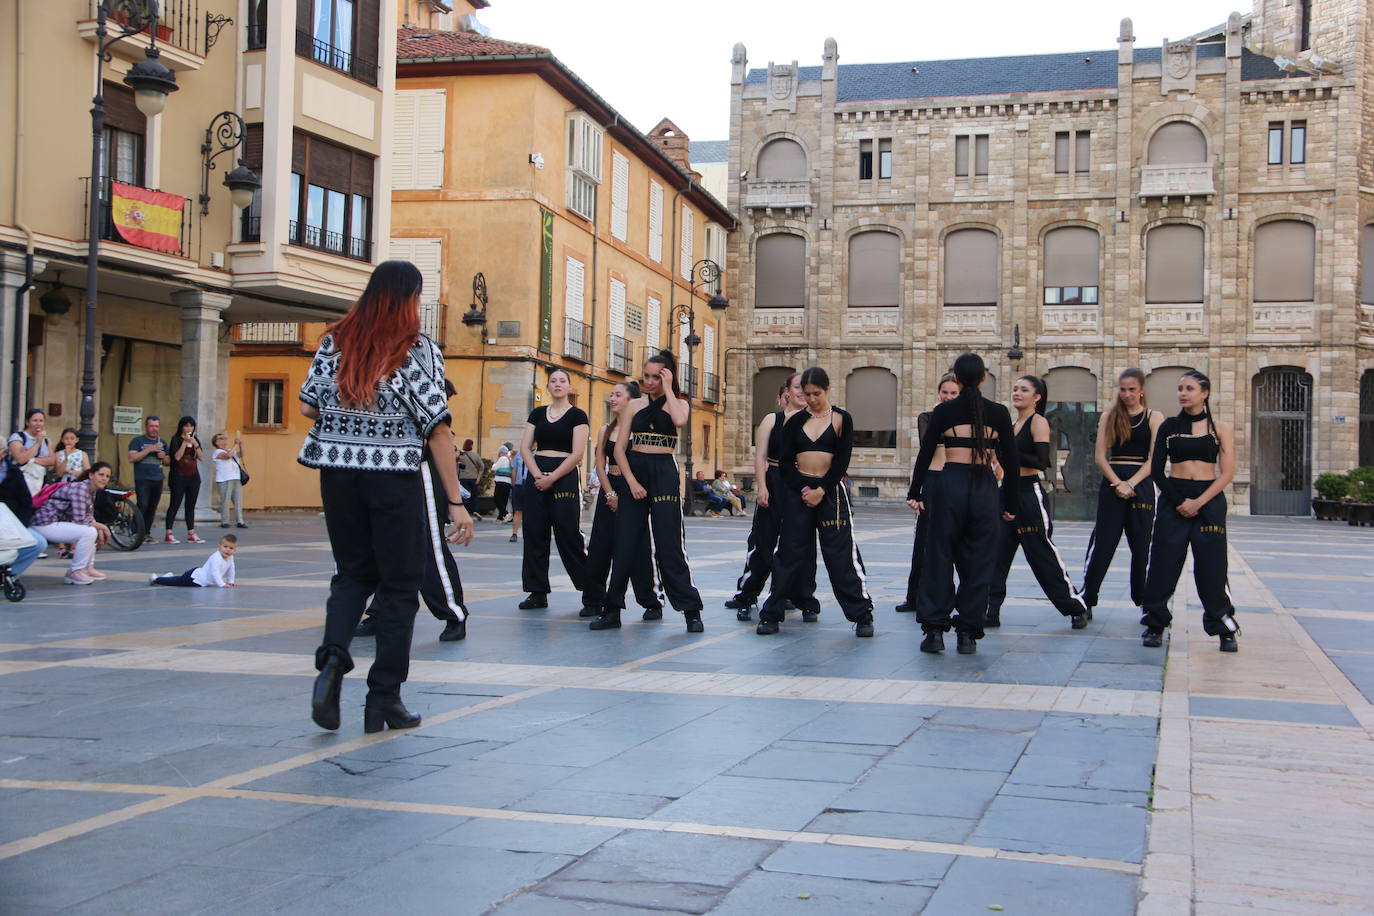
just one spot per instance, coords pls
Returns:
(148, 219)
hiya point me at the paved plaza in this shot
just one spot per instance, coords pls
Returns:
(157, 755)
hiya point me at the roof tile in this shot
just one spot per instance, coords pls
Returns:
(425, 44)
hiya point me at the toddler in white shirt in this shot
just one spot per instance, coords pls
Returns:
(217, 571)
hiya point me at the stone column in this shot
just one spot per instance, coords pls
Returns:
(14, 337)
(203, 386)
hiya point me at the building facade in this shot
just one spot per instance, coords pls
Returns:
(1205, 203)
(309, 80)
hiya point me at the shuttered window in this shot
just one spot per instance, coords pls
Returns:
(971, 267)
(428, 256)
(1061, 152)
(417, 152)
(688, 254)
(1161, 388)
(1177, 143)
(708, 349)
(1071, 265)
(620, 196)
(617, 308)
(780, 271)
(871, 397)
(875, 269)
(1174, 261)
(1285, 261)
(1367, 264)
(573, 289)
(782, 160)
(1071, 384)
(653, 323)
(656, 222)
(332, 203)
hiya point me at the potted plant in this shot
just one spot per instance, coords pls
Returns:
(1331, 489)
(1361, 496)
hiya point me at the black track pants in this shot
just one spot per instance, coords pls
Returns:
(556, 511)
(184, 488)
(1173, 535)
(1032, 532)
(602, 546)
(832, 522)
(1135, 517)
(929, 493)
(962, 534)
(148, 493)
(763, 542)
(375, 521)
(661, 511)
(441, 589)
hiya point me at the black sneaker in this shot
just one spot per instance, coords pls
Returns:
(906, 607)
(1152, 638)
(992, 621)
(744, 612)
(366, 627)
(739, 603)
(454, 631)
(588, 610)
(610, 620)
(1077, 621)
(864, 628)
(653, 613)
(694, 624)
(811, 616)
(514, 538)
(535, 601)
(934, 642)
(965, 644)
(1228, 643)
(766, 627)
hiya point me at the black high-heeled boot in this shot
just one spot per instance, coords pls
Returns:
(390, 711)
(332, 663)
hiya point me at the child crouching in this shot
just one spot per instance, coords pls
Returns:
(218, 569)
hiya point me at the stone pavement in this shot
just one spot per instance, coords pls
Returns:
(156, 754)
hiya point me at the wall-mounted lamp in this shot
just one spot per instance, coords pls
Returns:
(477, 317)
(230, 133)
(1014, 354)
(55, 301)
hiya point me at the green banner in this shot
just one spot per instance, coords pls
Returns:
(546, 283)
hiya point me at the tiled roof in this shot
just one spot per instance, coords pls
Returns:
(429, 44)
(1001, 75)
(709, 151)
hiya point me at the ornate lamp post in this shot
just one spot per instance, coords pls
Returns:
(228, 131)
(704, 273)
(151, 82)
(476, 317)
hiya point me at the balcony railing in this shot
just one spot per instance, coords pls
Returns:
(257, 36)
(620, 360)
(711, 390)
(760, 193)
(433, 320)
(969, 320)
(688, 378)
(110, 232)
(360, 68)
(269, 332)
(320, 239)
(179, 22)
(779, 322)
(577, 340)
(250, 228)
(1193, 180)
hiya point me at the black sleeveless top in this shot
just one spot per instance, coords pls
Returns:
(1176, 442)
(825, 442)
(1181, 447)
(958, 412)
(556, 435)
(651, 425)
(1138, 445)
(775, 437)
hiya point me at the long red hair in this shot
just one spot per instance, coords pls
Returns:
(373, 339)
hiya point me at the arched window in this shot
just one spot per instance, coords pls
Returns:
(767, 381)
(1285, 261)
(782, 160)
(1174, 259)
(972, 271)
(875, 273)
(1177, 143)
(1072, 255)
(871, 398)
(1367, 264)
(1161, 389)
(780, 271)
(1072, 385)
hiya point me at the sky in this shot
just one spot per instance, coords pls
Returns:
(653, 59)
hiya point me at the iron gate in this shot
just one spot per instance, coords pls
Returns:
(1073, 429)
(1281, 457)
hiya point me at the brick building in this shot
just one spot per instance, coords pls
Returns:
(1192, 204)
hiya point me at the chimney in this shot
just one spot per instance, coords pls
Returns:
(674, 143)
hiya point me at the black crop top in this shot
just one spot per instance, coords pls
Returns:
(1175, 442)
(1138, 445)
(795, 439)
(1032, 454)
(958, 412)
(775, 436)
(651, 425)
(555, 435)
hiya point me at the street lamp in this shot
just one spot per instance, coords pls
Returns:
(151, 82)
(477, 318)
(228, 130)
(704, 273)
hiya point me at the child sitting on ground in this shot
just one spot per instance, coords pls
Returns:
(218, 569)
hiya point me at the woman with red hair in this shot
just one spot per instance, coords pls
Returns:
(376, 393)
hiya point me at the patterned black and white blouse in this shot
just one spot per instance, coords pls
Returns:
(391, 434)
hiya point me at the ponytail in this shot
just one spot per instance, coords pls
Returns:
(1041, 389)
(969, 371)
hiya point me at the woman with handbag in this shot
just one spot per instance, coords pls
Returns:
(68, 517)
(229, 476)
(31, 450)
(184, 478)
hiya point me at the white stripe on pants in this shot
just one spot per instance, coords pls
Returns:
(82, 536)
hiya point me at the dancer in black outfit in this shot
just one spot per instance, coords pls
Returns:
(964, 516)
(1126, 500)
(1191, 511)
(602, 544)
(813, 458)
(554, 441)
(1033, 530)
(763, 533)
(646, 438)
(948, 390)
(375, 392)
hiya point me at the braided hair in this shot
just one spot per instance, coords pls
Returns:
(1206, 385)
(969, 371)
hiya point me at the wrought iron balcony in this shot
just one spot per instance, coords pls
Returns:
(110, 232)
(577, 340)
(269, 332)
(360, 68)
(711, 390)
(620, 360)
(320, 239)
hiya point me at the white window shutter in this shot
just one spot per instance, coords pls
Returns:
(682, 344)
(573, 290)
(428, 256)
(652, 323)
(429, 139)
(708, 349)
(403, 140)
(656, 222)
(617, 308)
(620, 196)
(688, 246)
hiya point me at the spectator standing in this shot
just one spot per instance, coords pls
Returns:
(500, 473)
(470, 468)
(517, 496)
(148, 454)
(31, 450)
(71, 462)
(184, 478)
(68, 517)
(228, 477)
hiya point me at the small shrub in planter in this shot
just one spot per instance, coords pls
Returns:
(1360, 507)
(1331, 489)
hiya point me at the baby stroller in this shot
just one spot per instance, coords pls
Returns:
(13, 535)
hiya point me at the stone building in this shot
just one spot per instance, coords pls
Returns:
(1201, 203)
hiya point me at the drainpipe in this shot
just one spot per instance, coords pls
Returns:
(17, 356)
(17, 353)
